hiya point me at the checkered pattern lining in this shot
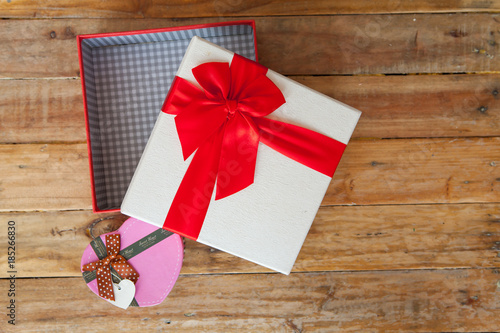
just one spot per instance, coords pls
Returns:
(126, 81)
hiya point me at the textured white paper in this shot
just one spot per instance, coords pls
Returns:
(268, 221)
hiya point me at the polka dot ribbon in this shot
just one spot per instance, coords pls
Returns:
(103, 267)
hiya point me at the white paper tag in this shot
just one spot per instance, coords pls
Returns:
(124, 293)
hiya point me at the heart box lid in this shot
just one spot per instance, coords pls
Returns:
(156, 254)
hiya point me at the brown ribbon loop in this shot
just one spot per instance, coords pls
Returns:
(103, 267)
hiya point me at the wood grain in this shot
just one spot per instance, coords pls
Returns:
(42, 110)
(407, 237)
(219, 8)
(416, 301)
(352, 44)
(341, 239)
(417, 105)
(44, 176)
(374, 172)
(403, 171)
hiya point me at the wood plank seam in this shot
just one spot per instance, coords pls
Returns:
(174, 9)
(358, 44)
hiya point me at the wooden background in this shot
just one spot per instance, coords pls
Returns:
(407, 238)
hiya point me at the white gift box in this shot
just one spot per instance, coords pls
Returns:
(267, 222)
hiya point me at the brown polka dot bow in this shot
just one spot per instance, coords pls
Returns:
(103, 267)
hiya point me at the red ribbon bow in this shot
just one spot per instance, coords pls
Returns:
(224, 122)
(103, 270)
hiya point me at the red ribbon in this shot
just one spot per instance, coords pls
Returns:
(224, 123)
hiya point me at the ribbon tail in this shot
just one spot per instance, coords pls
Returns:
(238, 156)
(104, 282)
(125, 270)
(190, 204)
(312, 149)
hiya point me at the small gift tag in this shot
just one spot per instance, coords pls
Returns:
(124, 293)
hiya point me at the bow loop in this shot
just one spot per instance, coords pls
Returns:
(215, 79)
(243, 73)
(260, 97)
(103, 267)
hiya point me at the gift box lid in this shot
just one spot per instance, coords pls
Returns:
(268, 221)
(125, 77)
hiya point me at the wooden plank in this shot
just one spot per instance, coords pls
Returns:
(352, 44)
(341, 239)
(220, 8)
(44, 176)
(415, 301)
(41, 111)
(397, 106)
(403, 171)
(374, 172)
(417, 105)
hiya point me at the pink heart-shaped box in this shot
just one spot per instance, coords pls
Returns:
(158, 266)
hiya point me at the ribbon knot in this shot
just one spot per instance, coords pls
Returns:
(222, 124)
(103, 267)
(232, 107)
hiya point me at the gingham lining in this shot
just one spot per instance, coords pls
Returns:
(126, 81)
